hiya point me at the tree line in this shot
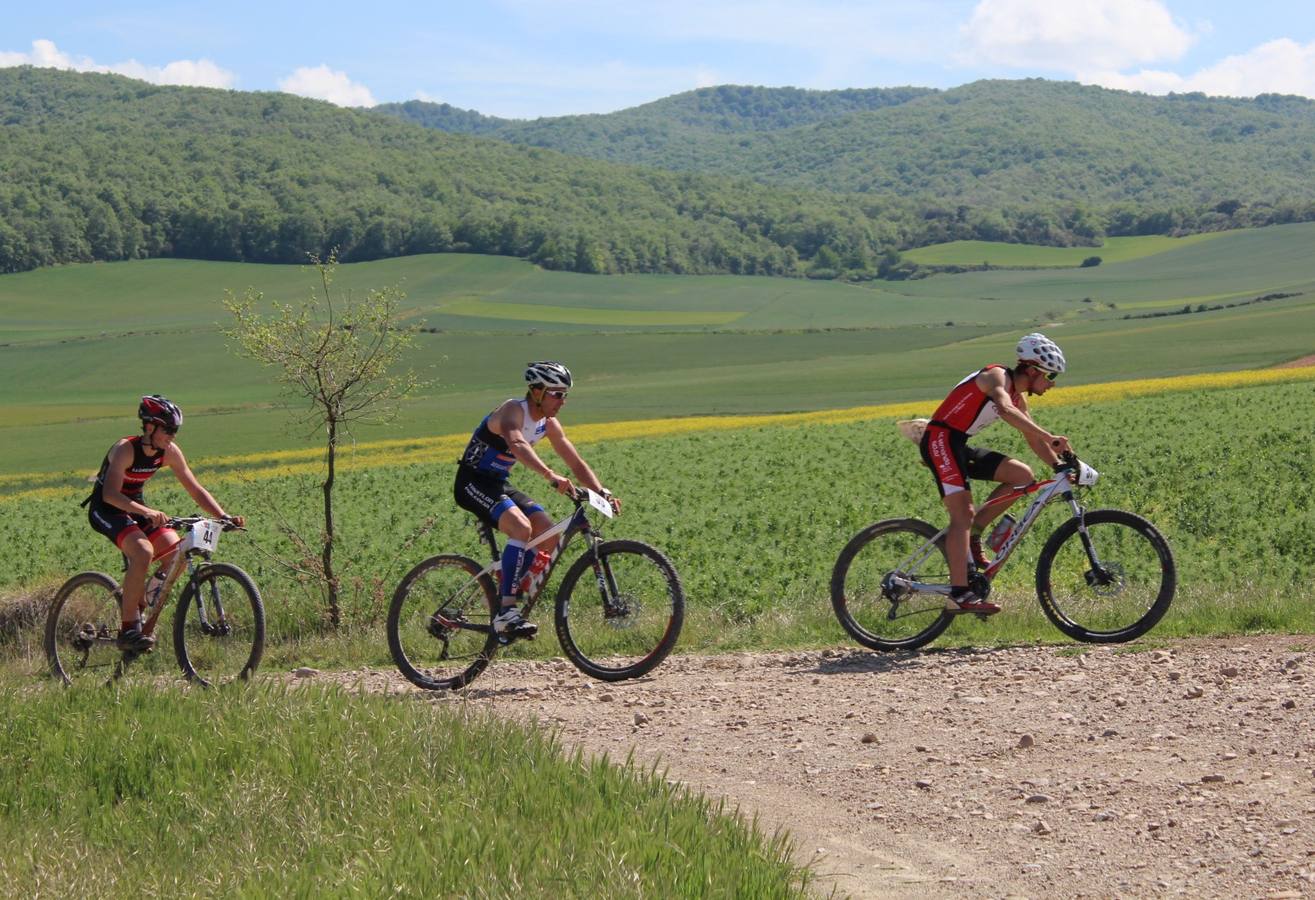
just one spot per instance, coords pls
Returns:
(100, 167)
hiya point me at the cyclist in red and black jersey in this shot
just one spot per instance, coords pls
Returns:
(993, 392)
(118, 510)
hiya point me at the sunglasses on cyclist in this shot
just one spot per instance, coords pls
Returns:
(166, 429)
(556, 395)
(1049, 376)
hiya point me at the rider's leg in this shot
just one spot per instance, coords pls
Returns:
(137, 548)
(960, 506)
(516, 526)
(1010, 473)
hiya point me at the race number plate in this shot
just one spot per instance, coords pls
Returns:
(204, 536)
(600, 503)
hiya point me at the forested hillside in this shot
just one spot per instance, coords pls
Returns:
(100, 167)
(1138, 163)
(723, 180)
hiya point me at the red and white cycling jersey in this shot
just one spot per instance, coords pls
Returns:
(968, 408)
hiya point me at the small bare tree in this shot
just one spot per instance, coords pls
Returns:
(338, 356)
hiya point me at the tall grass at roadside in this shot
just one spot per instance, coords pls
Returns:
(318, 792)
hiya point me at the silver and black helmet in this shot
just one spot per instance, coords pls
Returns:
(548, 374)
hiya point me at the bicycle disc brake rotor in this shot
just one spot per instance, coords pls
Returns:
(1107, 581)
(621, 612)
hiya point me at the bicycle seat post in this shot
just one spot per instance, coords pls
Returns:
(487, 536)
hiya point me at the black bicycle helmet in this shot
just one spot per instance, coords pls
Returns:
(155, 408)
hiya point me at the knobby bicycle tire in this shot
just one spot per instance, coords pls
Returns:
(415, 602)
(230, 655)
(66, 663)
(862, 605)
(1077, 616)
(629, 640)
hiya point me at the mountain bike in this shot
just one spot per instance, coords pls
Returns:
(1103, 576)
(618, 611)
(218, 627)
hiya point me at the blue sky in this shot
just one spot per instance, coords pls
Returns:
(521, 59)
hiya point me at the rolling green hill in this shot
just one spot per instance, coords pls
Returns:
(987, 146)
(100, 167)
(81, 342)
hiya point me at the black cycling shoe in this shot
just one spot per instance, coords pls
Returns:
(131, 640)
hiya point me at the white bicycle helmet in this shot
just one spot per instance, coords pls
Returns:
(1038, 350)
(547, 374)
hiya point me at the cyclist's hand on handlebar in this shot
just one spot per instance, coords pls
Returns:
(157, 518)
(236, 521)
(1060, 445)
(612, 499)
(563, 486)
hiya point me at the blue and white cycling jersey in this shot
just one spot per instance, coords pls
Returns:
(487, 452)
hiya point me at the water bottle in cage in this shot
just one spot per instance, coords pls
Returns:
(535, 570)
(1000, 533)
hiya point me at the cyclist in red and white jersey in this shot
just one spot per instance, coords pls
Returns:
(118, 510)
(991, 393)
(505, 437)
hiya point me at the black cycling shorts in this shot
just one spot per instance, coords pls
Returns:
(952, 462)
(488, 498)
(117, 525)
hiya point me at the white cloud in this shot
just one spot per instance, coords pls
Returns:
(1278, 67)
(196, 73)
(323, 83)
(1096, 35)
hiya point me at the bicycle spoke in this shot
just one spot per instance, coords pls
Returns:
(80, 632)
(626, 625)
(219, 626)
(870, 586)
(440, 623)
(1113, 587)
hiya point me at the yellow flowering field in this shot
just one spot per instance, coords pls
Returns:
(405, 451)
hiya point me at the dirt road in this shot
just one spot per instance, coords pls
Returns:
(1037, 772)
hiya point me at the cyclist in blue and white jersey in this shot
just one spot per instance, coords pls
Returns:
(505, 437)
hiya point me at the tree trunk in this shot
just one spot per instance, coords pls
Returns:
(330, 580)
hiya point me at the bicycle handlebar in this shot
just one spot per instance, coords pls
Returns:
(226, 522)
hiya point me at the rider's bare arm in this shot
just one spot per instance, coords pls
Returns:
(174, 459)
(1044, 444)
(566, 450)
(112, 489)
(509, 422)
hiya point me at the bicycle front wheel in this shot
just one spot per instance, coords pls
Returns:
(869, 585)
(440, 623)
(219, 625)
(81, 627)
(623, 621)
(1111, 584)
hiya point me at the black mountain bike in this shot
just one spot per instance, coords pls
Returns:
(618, 612)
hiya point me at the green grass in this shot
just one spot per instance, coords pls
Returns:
(314, 792)
(1113, 250)
(753, 519)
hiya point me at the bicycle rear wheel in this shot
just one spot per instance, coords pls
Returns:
(1121, 597)
(623, 622)
(866, 593)
(81, 627)
(219, 625)
(428, 618)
